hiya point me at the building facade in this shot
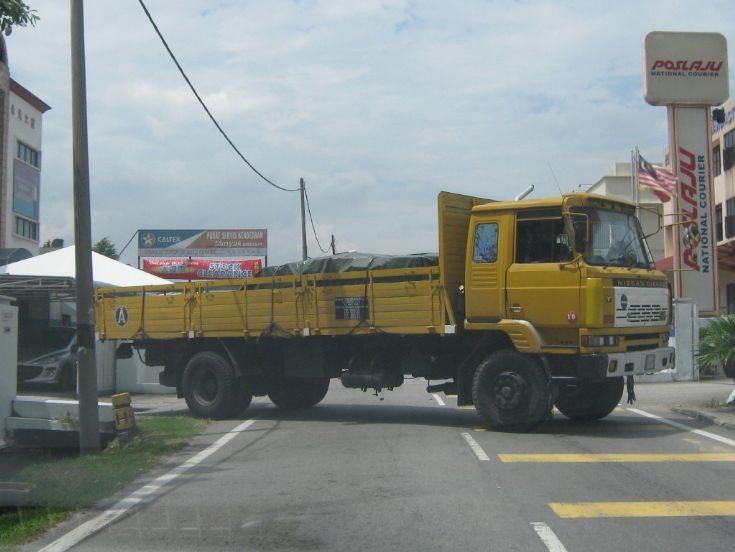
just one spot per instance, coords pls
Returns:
(723, 172)
(21, 114)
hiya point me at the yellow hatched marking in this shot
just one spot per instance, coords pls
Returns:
(643, 509)
(478, 428)
(619, 457)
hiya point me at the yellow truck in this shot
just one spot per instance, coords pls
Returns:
(529, 304)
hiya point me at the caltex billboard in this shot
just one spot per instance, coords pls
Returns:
(203, 243)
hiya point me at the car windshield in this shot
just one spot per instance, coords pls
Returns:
(610, 238)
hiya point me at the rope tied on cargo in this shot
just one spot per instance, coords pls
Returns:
(630, 386)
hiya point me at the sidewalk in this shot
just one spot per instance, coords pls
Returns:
(702, 400)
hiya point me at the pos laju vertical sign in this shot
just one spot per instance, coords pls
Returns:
(688, 73)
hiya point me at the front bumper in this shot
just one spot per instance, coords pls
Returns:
(615, 365)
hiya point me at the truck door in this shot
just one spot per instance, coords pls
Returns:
(542, 284)
(486, 259)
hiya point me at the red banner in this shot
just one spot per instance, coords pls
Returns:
(201, 269)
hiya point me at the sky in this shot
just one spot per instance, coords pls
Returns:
(378, 105)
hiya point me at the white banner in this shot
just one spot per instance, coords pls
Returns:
(695, 243)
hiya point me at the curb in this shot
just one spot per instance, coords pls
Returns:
(704, 416)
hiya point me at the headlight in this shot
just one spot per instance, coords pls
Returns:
(599, 340)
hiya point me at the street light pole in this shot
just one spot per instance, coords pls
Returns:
(89, 433)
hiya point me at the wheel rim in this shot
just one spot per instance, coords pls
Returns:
(509, 391)
(206, 387)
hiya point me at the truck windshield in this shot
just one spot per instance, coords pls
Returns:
(610, 238)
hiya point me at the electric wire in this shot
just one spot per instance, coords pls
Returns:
(313, 229)
(204, 106)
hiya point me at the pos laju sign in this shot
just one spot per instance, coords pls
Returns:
(688, 73)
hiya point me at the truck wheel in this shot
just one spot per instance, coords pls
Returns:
(590, 400)
(209, 385)
(293, 393)
(511, 391)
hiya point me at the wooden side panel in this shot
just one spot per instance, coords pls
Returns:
(407, 301)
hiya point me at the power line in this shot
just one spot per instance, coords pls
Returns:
(308, 208)
(206, 109)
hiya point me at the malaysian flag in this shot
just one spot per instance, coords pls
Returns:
(659, 180)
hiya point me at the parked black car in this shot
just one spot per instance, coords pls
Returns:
(50, 361)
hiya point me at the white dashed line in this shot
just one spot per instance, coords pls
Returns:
(548, 537)
(476, 448)
(90, 527)
(713, 436)
(438, 399)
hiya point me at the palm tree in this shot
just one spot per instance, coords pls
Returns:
(717, 344)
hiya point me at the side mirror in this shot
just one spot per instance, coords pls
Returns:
(125, 350)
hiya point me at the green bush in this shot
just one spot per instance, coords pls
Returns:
(717, 344)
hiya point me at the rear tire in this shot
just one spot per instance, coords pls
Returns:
(210, 387)
(295, 393)
(511, 392)
(590, 400)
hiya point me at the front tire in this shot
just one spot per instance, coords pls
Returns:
(210, 387)
(511, 392)
(295, 393)
(590, 400)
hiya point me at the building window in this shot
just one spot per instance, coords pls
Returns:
(730, 218)
(26, 228)
(716, 161)
(728, 153)
(718, 221)
(28, 154)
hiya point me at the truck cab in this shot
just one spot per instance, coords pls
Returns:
(568, 282)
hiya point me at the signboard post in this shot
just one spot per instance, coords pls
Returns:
(688, 72)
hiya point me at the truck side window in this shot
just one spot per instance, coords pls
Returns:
(485, 248)
(534, 241)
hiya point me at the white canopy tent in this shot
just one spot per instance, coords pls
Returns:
(106, 272)
(53, 274)
(51, 277)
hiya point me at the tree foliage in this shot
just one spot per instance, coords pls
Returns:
(56, 242)
(717, 342)
(15, 13)
(106, 247)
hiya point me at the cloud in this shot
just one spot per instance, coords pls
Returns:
(377, 104)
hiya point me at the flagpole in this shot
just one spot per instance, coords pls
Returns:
(634, 180)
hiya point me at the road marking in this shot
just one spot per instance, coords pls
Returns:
(548, 537)
(619, 457)
(467, 407)
(701, 432)
(438, 399)
(476, 448)
(643, 509)
(90, 527)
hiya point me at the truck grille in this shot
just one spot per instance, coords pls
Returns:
(646, 313)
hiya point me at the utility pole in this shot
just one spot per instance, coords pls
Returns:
(303, 222)
(89, 432)
(333, 245)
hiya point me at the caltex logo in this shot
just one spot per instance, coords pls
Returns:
(149, 240)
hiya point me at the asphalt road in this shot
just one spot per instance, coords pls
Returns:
(411, 473)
